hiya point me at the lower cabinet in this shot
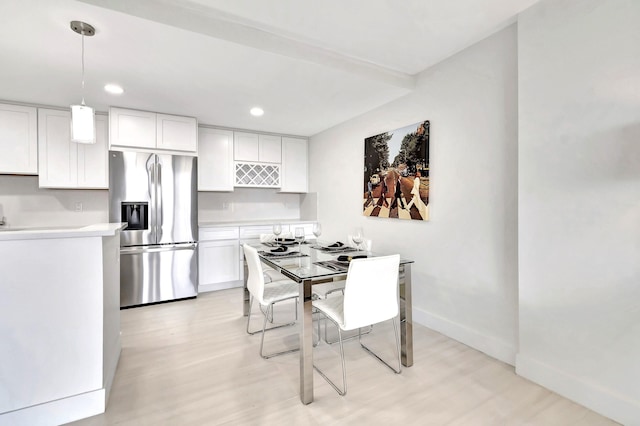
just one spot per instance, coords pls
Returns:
(219, 259)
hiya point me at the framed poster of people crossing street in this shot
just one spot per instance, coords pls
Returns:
(396, 173)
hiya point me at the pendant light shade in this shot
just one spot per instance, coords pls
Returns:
(83, 125)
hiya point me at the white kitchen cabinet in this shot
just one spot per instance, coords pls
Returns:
(177, 133)
(295, 161)
(130, 128)
(218, 259)
(215, 159)
(245, 146)
(66, 164)
(18, 139)
(250, 234)
(270, 149)
(254, 147)
(93, 160)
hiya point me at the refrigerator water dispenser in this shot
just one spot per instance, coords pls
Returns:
(136, 214)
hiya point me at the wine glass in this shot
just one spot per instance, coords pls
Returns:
(299, 236)
(277, 230)
(358, 237)
(317, 230)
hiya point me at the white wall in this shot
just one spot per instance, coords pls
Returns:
(24, 204)
(465, 271)
(247, 204)
(579, 202)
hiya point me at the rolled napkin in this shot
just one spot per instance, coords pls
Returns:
(280, 249)
(345, 258)
(336, 244)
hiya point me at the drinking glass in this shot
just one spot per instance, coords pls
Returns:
(317, 230)
(299, 236)
(358, 237)
(277, 230)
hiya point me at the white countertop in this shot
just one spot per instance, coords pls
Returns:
(40, 232)
(252, 222)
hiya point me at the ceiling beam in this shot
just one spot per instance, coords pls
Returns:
(221, 25)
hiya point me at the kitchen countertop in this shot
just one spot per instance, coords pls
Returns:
(252, 222)
(39, 232)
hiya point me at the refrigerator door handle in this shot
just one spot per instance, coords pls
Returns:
(151, 172)
(159, 215)
(156, 249)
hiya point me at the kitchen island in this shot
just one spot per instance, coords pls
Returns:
(59, 322)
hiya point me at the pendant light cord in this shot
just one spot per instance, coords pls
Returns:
(83, 69)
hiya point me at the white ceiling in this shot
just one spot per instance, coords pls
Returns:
(309, 64)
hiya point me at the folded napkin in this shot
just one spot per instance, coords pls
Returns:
(285, 240)
(280, 249)
(345, 258)
(336, 244)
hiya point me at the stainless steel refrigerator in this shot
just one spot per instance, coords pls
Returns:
(156, 194)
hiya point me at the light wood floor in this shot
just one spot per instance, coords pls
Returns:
(191, 363)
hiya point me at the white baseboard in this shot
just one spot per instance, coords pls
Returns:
(594, 397)
(203, 288)
(57, 412)
(489, 345)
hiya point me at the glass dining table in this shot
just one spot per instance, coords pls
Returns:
(311, 263)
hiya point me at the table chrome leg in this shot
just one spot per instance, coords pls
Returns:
(306, 342)
(406, 320)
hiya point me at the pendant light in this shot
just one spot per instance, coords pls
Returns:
(83, 126)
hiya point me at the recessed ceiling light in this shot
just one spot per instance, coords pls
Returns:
(114, 89)
(256, 111)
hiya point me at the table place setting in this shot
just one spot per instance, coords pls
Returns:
(341, 263)
(333, 265)
(336, 247)
(281, 253)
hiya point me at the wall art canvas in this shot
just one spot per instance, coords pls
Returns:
(396, 173)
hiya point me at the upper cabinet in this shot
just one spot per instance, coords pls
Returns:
(149, 130)
(132, 128)
(228, 159)
(215, 159)
(18, 139)
(254, 147)
(176, 133)
(295, 161)
(66, 164)
(257, 160)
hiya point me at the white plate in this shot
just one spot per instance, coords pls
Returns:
(279, 253)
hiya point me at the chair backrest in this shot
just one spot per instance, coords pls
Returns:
(366, 243)
(371, 291)
(255, 280)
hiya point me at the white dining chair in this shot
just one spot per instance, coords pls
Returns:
(271, 274)
(321, 291)
(370, 297)
(266, 295)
